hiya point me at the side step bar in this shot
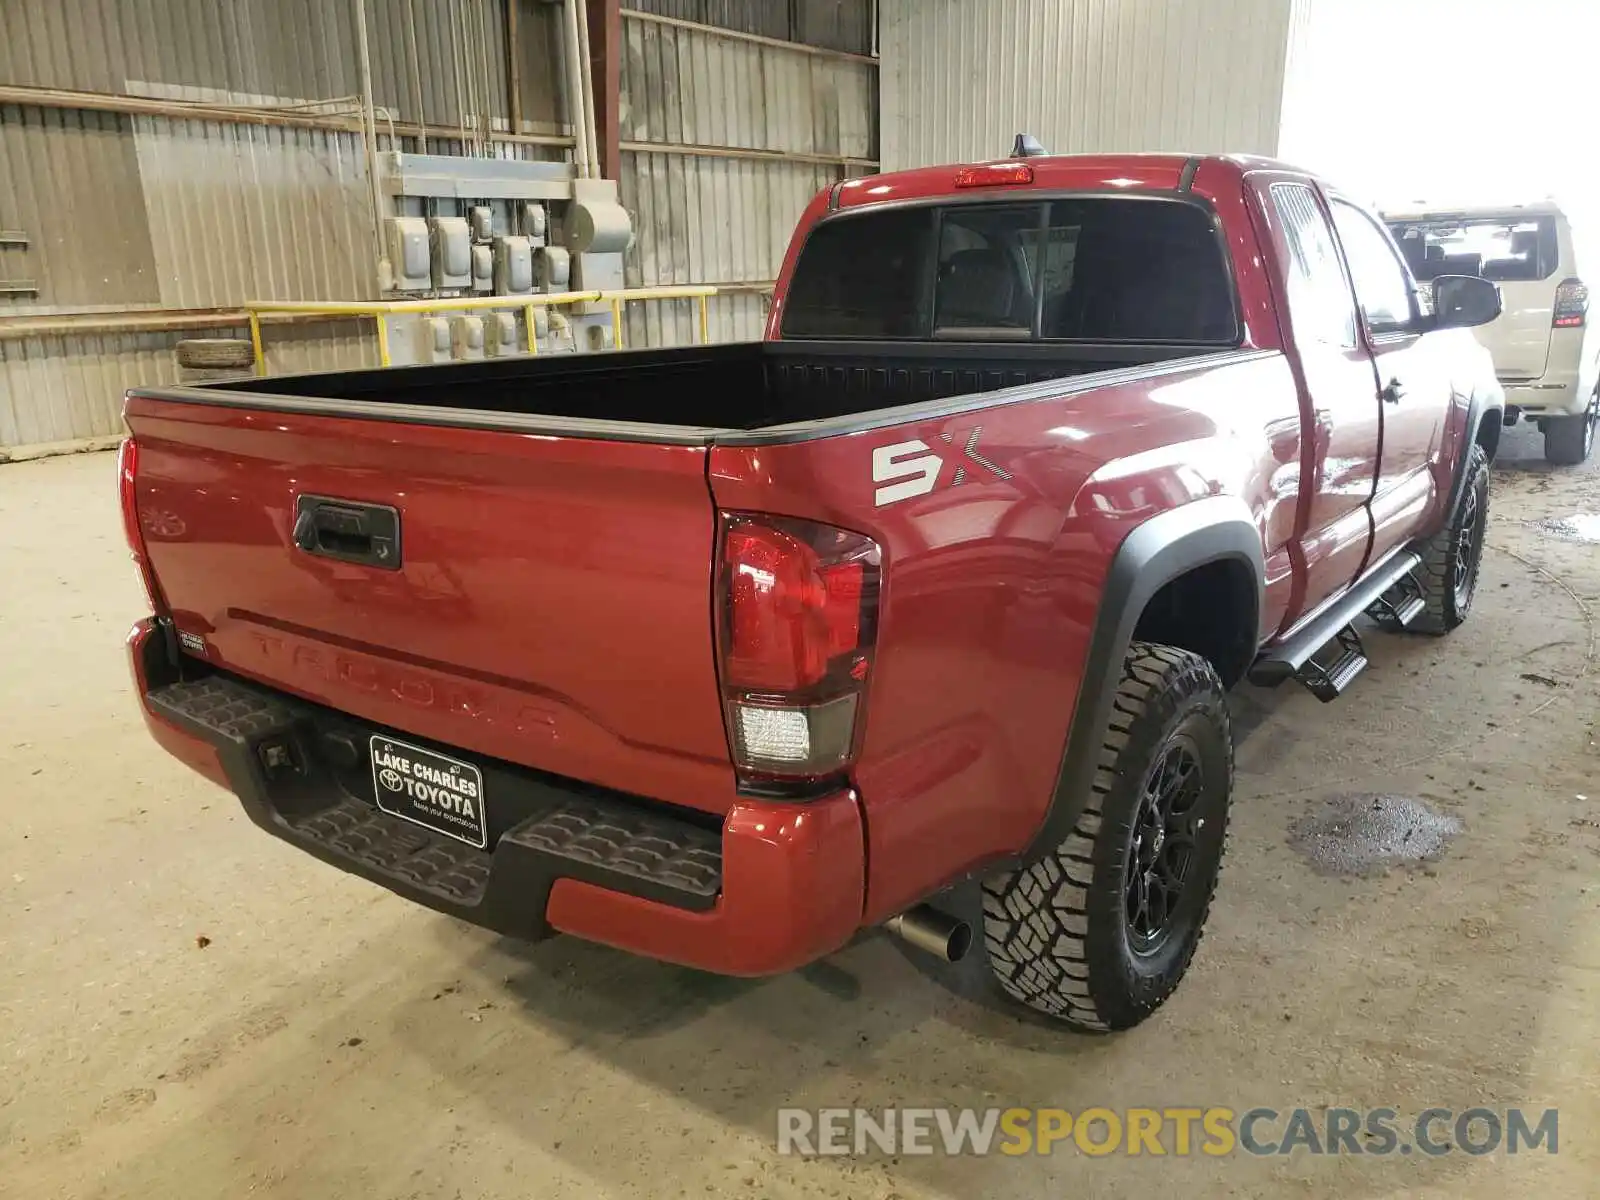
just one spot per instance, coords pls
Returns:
(1400, 605)
(1294, 658)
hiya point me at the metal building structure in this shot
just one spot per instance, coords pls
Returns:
(164, 161)
(1082, 75)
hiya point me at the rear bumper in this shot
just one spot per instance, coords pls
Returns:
(1558, 394)
(777, 886)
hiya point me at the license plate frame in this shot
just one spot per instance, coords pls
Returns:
(433, 790)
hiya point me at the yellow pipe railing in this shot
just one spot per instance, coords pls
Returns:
(379, 309)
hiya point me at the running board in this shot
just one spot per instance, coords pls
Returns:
(1400, 605)
(1288, 659)
(1328, 681)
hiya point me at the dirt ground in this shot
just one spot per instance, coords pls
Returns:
(332, 1040)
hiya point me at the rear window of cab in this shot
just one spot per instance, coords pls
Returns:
(1508, 249)
(1112, 269)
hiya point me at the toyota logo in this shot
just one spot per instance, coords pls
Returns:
(390, 778)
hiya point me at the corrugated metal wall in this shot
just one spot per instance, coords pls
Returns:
(127, 212)
(725, 140)
(962, 77)
(67, 388)
(140, 211)
(293, 50)
(726, 135)
(829, 24)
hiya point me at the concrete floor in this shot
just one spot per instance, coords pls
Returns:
(332, 1040)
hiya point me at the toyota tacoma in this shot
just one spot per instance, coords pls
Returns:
(724, 654)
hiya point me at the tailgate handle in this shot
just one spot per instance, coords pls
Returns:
(348, 530)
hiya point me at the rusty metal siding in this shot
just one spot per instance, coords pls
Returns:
(961, 78)
(726, 218)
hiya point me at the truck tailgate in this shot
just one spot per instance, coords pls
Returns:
(551, 606)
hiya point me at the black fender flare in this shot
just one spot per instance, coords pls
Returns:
(1479, 405)
(1170, 544)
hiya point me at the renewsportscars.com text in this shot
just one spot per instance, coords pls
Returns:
(1215, 1132)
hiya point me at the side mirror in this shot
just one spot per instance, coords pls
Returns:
(1465, 301)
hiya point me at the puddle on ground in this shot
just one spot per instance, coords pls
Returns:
(1579, 527)
(1366, 833)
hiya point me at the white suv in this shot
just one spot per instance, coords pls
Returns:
(1545, 353)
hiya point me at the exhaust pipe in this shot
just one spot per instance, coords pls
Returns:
(935, 932)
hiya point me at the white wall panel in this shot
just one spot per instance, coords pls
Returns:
(960, 78)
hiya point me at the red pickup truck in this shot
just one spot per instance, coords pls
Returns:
(724, 654)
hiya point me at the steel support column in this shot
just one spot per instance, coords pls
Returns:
(605, 62)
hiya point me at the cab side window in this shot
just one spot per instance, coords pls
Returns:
(1382, 285)
(1319, 293)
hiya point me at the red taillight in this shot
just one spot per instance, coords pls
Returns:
(1572, 304)
(993, 174)
(798, 617)
(127, 470)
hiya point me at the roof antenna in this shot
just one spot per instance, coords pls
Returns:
(1027, 146)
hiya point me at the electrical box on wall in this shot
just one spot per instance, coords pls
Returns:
(407, 239)
(596, 272)
(500, 335)
(534, 223)
(452, 252)
(482, 268)
(513, 266)
(466, 337)
(481, 217)
(433, 340)
(553, 268)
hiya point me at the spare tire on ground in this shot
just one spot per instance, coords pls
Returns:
(212, 354)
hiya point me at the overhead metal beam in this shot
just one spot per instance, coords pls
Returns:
(234, 114)
(869, 164)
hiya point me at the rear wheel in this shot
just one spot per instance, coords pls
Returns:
(1099, 931)
(1569, 441)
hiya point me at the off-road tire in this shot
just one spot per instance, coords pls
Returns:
(1058, 931)
(215, 353)
(1569, 441)
(1448, 600)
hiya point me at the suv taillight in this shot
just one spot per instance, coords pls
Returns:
(797, 618)
(127, 470)
(1572, 304)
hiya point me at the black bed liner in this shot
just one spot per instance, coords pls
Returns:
(733, 393)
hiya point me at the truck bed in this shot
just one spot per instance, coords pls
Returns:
(734, 386)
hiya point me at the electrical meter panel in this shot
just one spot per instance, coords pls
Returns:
(481, 217)
(433, 340)
(466, 337)
(482, 268)
(500, 335)
(535, 223)
(553, 269)
(513, 266)
(452, 252)
(409, 259)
